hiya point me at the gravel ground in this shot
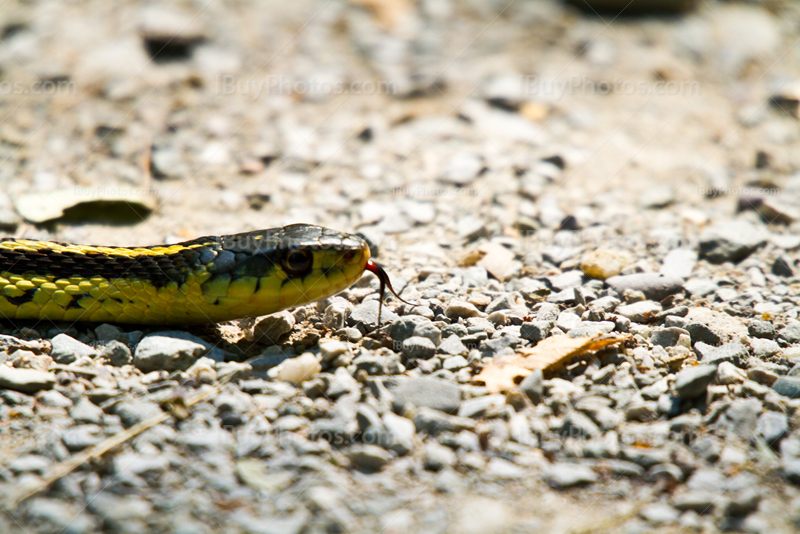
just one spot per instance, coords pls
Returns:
(524, 170)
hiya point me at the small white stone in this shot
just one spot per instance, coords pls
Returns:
(728, 374)
(296, 370)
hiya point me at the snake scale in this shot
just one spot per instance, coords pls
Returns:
(209, 279)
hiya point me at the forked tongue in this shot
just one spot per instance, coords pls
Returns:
(383, 278)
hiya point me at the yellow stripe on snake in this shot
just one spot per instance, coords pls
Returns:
(209, 279)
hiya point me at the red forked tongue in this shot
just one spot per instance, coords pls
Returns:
(383, 278)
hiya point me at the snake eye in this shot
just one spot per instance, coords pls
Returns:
(298, 262)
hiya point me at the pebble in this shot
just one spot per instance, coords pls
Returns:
(692, 382)
(729, 374)
(790, 333)
(660, 513)
(655, 286)
(533, 386)
(437, 456)
(399, 433)
(788, 386)
(25, 380)
(772, 426)
(481, 406)
(427, 392)
(67, 350)
(419, 348)
(679, 263)
(365, 316)
(453, 346)
(604, 263)
(462, 169)
(163, 351)
(563, 475)
(430, 331)
(271, 328)
(369, 457)
(730, 241)
(82, 436)
(85, 411)
(54, 399)
(536, 331)
(502, 469)
(296, 370)
(761, 329)
(116, 353)
(458, 309)
(640, 312)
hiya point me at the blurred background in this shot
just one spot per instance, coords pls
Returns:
(427, 123)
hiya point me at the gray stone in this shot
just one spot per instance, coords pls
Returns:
(502, 469)
(437, 456)
(660, 512)
(272, 328)
(761, 329)
(655, 286)
(365, 316)
(135, 411)
(67, 349)
(428, 392)
(578, 425)
(369, 457)
(788, 386)
(700, 501)
(116, 509)
(640, 312)
(679, 263)
(399, 433)
(533, 386)
(110, 332)
(435, 422)
(730, 241)
(116, 353)
(772, 426)
(25, 380)
(54, 399)
(167, 352)
(701, 333)
(404, 327)
(29, 463)
(667, 337)
(430, 331)
(81, 437)
(418, 348)
(536, 331)
(790, 333)
(481, 406)
(367, 417)
(741, 417)
(735, 353)
(85, 411)
(452, 346)
(330, 350)
(692, 382)
(566, 475)
(764, 348)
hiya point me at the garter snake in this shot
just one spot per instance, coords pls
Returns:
(209, 279)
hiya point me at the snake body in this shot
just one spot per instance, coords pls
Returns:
(210, 279)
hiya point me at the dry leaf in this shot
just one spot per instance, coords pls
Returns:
(505, 373)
